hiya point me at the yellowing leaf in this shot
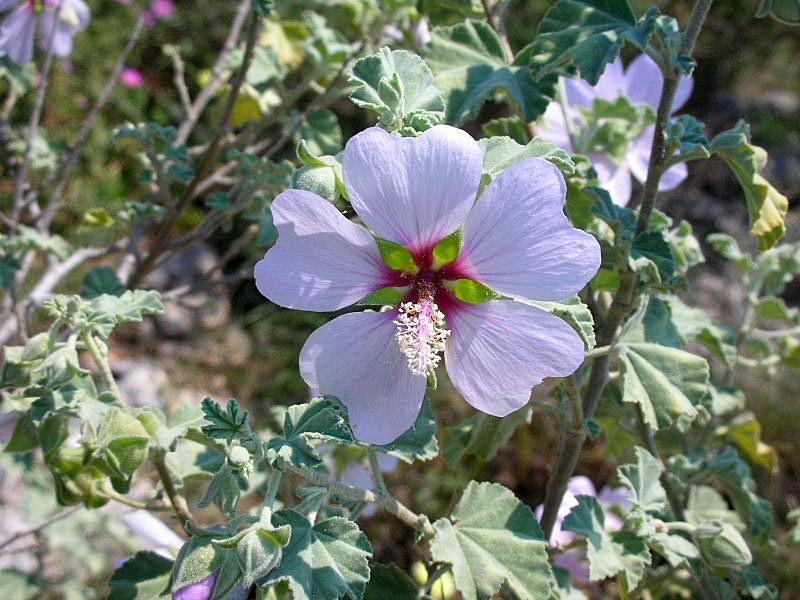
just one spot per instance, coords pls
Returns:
(766, 206)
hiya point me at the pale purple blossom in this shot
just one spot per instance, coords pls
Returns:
(131, 78)
(641, 83)
(19, 27)
(415, 192)
(612, 500)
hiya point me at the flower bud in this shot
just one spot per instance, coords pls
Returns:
(722, 546)
(201, 590)
(238, 456)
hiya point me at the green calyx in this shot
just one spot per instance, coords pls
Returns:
(470, 291)
(397, 257)
(446, 251)
(611, 125)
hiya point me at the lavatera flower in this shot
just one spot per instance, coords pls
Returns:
(640, 83)
(18, 28)
(415, 193)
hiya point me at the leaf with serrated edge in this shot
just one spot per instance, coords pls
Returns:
(609, 553)
(323, 419)
(145, 576)
(469, 65)
(667, 383)
(326, 560)
(642, 479)
(492, 538)
(766, 206)
(586, 35)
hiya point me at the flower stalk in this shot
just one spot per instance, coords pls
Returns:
(575, 436)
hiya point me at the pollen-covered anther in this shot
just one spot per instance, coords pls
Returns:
(421, 334)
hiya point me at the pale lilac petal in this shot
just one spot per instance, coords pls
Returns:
(499, 350)
(387, 463)
(574, 561)
(619, 497)
(202, 590)
(644, 81)
(581, 486)
(153, 534)
(614, 178)
(322, 261)
(413, 191)
(579, 93)
(16, 35)
(8, 4)
(81, 12)
(553, 127)
(358, 475)
(612, 82)
(74, 17)
(518, 241)
(673, 177)
(356, 358)
(638, 159)
(560, 537)
(613, 522)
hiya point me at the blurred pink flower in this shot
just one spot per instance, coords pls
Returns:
(131, 78)
(162, 9)
(18, 28)
(415, 192)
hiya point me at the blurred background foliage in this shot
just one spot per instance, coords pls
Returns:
(747, 68)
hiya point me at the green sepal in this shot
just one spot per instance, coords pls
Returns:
(397, 257)
(470, 291)
(388, 296)
(446, 251)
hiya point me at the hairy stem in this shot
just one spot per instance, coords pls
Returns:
(387, 502)
(377, 474)
(273, 485)
(101, 360)
(570, 447)
(177, 500)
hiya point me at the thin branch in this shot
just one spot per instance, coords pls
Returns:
(622, 305)
(33, 124)
(101, 361)
(76, 147)
(178, 502)
(39, 527)
(171, 220)
(179, 79)
(54, 274)
(389, 503)
(217, 76)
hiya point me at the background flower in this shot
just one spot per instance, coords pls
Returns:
(18, 28)
(613, 501)
(641, 83)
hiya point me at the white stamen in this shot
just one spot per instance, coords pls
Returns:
(421, 334)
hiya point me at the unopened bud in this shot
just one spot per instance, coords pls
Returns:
(722, 546)
(238, 456)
